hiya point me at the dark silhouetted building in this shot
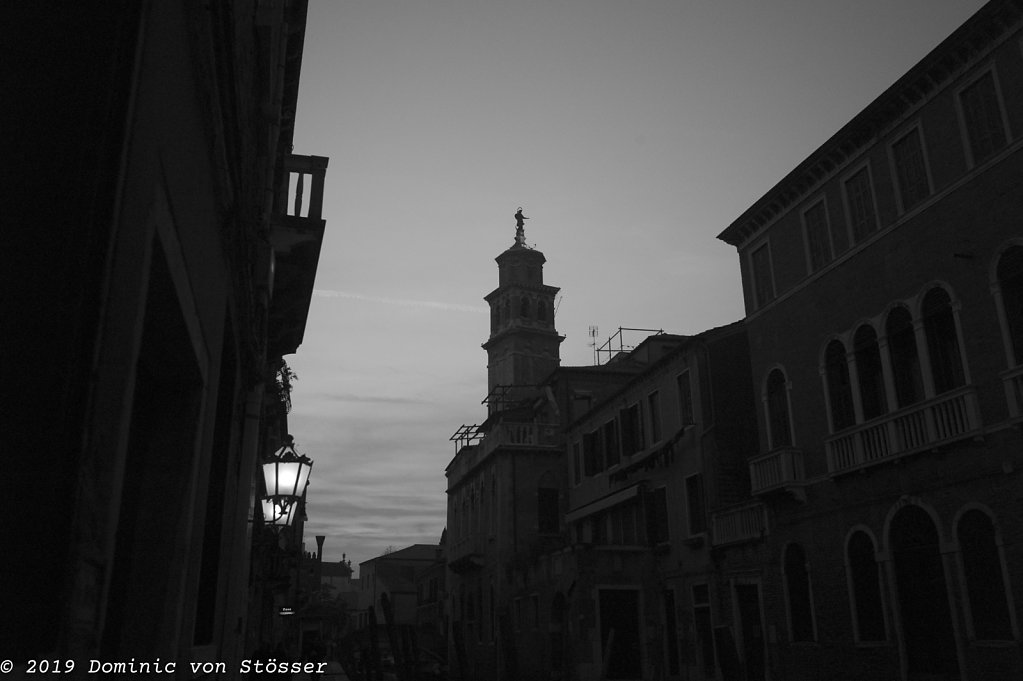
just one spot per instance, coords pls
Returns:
(152, 282)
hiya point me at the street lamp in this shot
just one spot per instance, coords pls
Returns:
(286, 475)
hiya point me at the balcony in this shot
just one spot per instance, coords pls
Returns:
(947, 418)
(465, 553)
(296, 234)
(739, 524)
(1013, 381)
(778, 471)
(524, 435)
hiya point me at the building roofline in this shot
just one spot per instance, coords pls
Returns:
(954, 54)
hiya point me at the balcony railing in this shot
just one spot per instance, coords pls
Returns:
(466, 552)
(946, 418)
(1013, 380)
(520, 435)
(743, 523)
(775, 470)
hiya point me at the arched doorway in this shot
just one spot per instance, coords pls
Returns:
(924, 611)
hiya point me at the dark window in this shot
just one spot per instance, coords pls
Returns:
(985, 580)
(577, 461)
(685, 398)
(695, 506)
(904, 357)
(869, 372)
(778, 410)
(864, 580)
(541, 311)
(1010, 281)
(860, 200)
(632, 430)
(910, 170)
(612, 452)
(942, 341)
(982, 118)
(654, 407)
(657, 516)
(547, 510)
(797, 582)
(524, 308)
(703, 627)
(763, 286)
(671, 633)
(592, 463)
(836, 370)
(623, 524)
(818, 240)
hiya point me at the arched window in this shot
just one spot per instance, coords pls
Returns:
(797, 586)
(984, 578)
(942, 341)
(1010, 283)
(870, 372)
(524, 307)
(779, 424)
(865, 588)
(541, 311)
(905, 359)
(836, 374)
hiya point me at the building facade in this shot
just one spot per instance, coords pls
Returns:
(882, 282)
(157, 282)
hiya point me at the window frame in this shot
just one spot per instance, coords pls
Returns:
(759, 301)
(863, 168)
(999, 102)
(819, 203)
(916, 129)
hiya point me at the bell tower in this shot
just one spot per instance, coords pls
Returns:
(524, 345)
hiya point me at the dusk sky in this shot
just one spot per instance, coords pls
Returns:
(630, 132)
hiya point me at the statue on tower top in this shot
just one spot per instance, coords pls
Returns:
(520, 225)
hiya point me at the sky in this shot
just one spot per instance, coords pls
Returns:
(631, 133)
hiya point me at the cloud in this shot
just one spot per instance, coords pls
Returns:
(429, 304)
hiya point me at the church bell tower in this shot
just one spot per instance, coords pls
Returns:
(523, 347)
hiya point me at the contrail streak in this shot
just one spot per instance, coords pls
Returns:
(431, 304)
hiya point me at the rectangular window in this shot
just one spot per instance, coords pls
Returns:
(703, 628)
(818, 238)
(982, 118)
(654, 407)
(763, 279)
(695, 505)
(685, 397)
(547, 510)
(623, 520)
(671, 633)
(911, 169)
(612, 452)
(592, 463)
(859, 198)
(632, 430)
(577, 462)
(657, 516)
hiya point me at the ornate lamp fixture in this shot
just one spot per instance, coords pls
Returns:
(286, 475)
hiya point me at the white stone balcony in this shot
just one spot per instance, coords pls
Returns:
(780, 470)
(946, 418)
(738, 524)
